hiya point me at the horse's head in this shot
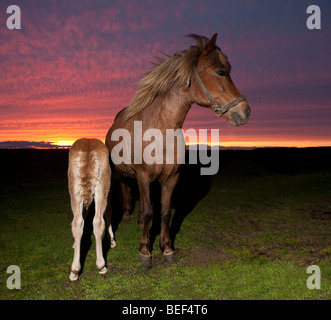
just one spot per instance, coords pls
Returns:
(212, 86)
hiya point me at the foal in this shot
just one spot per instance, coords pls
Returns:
(89, 177)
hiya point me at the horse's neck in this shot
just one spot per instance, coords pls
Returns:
(171, 110)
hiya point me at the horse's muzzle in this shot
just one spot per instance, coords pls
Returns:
(239, 116)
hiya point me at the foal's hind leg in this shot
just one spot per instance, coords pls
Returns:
(77, 226)
(98, 229)
(112, 238)
(110, 234)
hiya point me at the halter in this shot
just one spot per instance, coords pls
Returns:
(214, 105)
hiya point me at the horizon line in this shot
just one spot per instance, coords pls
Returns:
(49, 145)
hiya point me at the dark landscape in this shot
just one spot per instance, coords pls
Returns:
(249, 232)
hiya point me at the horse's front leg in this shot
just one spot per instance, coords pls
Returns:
(145, 215)
(167, 189)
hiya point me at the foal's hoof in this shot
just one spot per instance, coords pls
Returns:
(103, 270)
(73, 276)
(146, 261)
(113, 243)
(170, 258)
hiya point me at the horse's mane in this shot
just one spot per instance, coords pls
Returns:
(171, 70)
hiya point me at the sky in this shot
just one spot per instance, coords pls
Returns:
(74, 64)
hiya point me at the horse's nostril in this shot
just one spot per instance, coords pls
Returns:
(235, 119)
(248, 112)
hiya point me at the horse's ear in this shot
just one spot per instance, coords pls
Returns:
(210, 45)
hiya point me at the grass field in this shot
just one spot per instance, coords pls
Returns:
(249, 232)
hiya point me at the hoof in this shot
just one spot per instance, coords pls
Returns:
(170, 258)
(126, 217)
(103, 270)
(146, 261)
(113, 243)
(73, 276)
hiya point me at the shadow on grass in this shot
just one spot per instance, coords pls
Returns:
(191, 188)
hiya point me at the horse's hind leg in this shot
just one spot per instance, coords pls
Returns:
(77, 227)
(167, 188)
(98, 229)
(126, 198)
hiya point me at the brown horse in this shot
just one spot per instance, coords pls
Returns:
(201, 75)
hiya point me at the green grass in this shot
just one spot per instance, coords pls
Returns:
(251, 236)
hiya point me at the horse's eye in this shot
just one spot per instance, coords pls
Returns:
(221, 73)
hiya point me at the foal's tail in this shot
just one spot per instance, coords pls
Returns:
(89, 176)
(84, 169)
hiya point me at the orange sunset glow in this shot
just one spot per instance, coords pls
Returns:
(74, 64)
